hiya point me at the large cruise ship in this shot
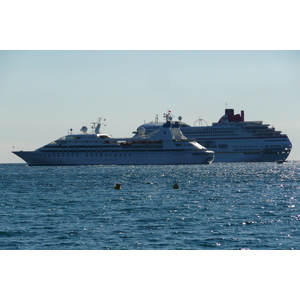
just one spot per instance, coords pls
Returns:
(233, 139)
(166, 145)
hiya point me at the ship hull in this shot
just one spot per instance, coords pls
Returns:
(248, 149)
(34, 158)
(249, 157)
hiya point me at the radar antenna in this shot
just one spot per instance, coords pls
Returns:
(200, 122)
(84, 129)
(96, 125)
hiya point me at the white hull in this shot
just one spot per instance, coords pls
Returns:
(249, 150)
(33, 158)
(249, 157)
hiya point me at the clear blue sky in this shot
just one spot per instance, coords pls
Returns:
(44, 93)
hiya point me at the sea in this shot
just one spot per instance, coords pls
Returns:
(222, 206)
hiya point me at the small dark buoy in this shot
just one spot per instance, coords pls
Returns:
(118, 186)
(176, 186)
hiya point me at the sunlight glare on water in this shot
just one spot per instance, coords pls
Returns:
(218, 206)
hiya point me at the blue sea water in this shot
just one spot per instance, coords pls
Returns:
(218, 206)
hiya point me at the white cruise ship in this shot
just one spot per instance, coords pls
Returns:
(166, 145)
(235, 140)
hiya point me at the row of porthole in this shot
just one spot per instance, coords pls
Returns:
(250, 153)
(278, 146)
(215, 130)
(244, 146)
(72, 155)
(212, 133)
(105, 155)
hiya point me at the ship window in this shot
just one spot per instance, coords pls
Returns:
(223, 146)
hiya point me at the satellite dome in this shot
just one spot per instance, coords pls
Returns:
(141, 130)
(84, 129)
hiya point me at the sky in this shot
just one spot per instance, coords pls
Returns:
(45, 93)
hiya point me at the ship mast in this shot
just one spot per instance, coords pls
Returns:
(96, 125)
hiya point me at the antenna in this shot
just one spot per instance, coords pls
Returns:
(200, 122)
(97, 125)
(168, 116)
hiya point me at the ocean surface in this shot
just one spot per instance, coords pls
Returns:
(232, 206)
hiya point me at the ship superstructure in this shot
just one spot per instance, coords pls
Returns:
(166, 145)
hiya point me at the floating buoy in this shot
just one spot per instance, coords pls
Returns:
(176, 186)
(118, 186)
